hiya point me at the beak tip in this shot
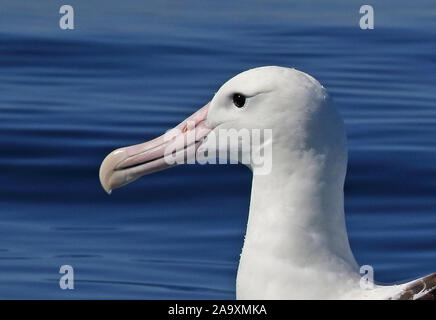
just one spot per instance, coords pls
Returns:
(107, 169)
(106, 187)
(105, 183)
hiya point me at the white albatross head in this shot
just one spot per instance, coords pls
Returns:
(296, 235)
(289, 102)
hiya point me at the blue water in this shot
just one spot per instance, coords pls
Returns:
(132, 69)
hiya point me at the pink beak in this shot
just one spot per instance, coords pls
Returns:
(127, 164)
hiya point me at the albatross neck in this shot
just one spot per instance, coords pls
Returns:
(296, 222)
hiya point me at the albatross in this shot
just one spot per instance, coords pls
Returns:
(296, 244)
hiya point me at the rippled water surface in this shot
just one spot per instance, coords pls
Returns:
(130, 70)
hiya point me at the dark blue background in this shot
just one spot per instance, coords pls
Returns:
(132, 69)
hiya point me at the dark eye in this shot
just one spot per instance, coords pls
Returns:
(238, 100)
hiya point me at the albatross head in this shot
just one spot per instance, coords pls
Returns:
(290, 103)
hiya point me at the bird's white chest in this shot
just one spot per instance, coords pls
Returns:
(262, 275)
